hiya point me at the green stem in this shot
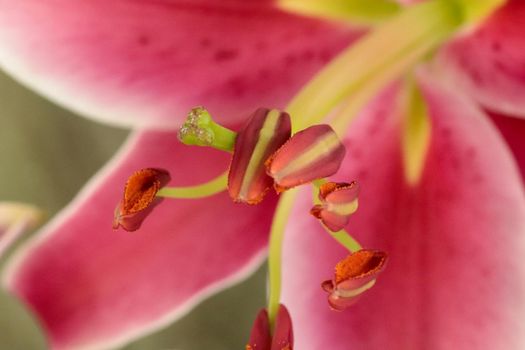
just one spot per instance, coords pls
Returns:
(280, 218)
(345, 239)
(209, 188)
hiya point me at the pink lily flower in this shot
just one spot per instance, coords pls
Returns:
(453, 224)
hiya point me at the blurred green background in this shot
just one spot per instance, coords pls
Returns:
(46, 155)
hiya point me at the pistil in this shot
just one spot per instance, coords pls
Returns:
(200, 129)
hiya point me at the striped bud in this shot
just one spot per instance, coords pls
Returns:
(263, 134)
(311, 154)
(338, 202)
(139, 198)
(353, 276)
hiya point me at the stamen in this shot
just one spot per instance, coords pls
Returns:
(262, 135)
(199, 129)
(339, 201)
(139, 198)
(353, 276)
(310, 154)
(360, 264)
(342, 237)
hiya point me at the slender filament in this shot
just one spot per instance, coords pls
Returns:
(280, 219)
(345, 239)
(209, 188)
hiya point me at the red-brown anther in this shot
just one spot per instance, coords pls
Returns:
(283, 331)
(313, 153)
(338, 202)
(261, 338)
(353, 276)
(139, 197)
(263, 134)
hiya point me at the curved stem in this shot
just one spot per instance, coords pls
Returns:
(280, 218)
(345, 239)
(209, 188)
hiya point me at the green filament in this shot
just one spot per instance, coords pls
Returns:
(345, 239)
(280, 219)
(209, 188)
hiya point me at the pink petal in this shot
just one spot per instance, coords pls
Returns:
(490, 63)
(513, 130)
(94, 287)
(455, 277)
(149, 62)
